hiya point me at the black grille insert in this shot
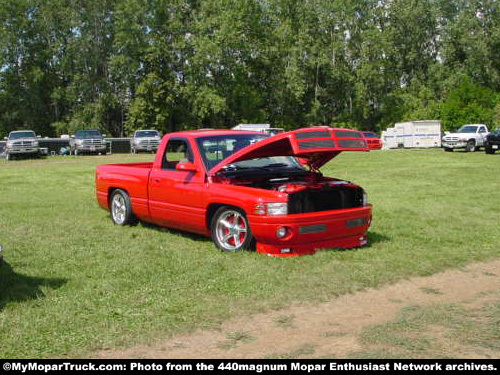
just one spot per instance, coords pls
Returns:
(308, 145)
(313, 134)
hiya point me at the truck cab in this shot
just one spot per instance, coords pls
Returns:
(22, 143)
(469, 137)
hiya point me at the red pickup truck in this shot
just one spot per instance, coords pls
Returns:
(244, 189)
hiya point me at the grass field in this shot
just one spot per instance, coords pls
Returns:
(73, 283)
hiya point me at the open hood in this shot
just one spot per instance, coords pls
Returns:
(316, 146)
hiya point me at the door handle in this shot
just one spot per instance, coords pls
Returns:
(157, 180)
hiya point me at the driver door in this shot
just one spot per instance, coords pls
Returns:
(176, 196)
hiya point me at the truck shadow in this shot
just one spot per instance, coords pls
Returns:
(191, 236)
(374, 237)
(15, 287)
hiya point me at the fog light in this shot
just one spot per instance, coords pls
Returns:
(281, 232)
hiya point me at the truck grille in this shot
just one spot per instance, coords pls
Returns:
(92, 143)
(451, 139)
(149, 143)
(22, 144)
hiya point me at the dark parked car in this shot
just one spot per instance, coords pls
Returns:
(492, 142)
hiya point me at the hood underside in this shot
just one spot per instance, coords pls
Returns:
(316, 146)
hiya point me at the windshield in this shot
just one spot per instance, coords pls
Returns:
(146, 133)
(87, 134)
(266, 163)
(215, 149)
(467, 129)
(19, 135)
(370, 135)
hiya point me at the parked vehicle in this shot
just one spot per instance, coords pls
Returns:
(22, 143)
(372, 140)
(242, 187)
(492, 142)
(88, 142)
(469, 137)
(144, 140)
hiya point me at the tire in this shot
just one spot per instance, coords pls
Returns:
(120, 208)
(447, 149)
(471, 146)
(489, 150)
(230, 229)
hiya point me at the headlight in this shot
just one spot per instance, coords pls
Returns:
(136, 141)
(35, 144)
(463, 140)
(79, 142)
(10, 144)
(365, 199)
(277, 209)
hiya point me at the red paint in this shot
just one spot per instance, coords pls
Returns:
(373, 141)
(181, 197)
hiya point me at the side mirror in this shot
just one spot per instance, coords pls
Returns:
(72, 136)
(5, 138)
(104, 135)
(39, 136)
(186, 166)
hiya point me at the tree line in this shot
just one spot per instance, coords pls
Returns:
(121, 65)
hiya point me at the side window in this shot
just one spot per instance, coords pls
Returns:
(177, 150)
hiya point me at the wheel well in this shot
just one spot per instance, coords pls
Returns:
(212, 209)
(111, 190)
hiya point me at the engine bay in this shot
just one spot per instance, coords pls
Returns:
(308, 193)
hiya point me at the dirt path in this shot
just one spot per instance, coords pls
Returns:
(333, 329)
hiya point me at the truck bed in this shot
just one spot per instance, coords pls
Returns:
(130, 177)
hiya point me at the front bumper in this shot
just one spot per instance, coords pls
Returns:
(493, 143)
(24, 150)
(309, 232)
(90, 148)
(140, 147)
(454, 144)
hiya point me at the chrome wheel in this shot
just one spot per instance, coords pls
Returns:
(118, 209)
(231, 230)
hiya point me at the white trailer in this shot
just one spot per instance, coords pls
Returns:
(415, 134)
(263, 128)
(388, 138)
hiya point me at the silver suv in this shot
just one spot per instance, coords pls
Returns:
(145, 140)
(22, 142)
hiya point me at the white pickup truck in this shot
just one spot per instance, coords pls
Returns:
(470, 137)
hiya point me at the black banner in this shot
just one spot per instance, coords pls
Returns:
(247, 366)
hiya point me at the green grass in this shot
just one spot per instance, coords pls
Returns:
(413, 333)
(73, 283)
